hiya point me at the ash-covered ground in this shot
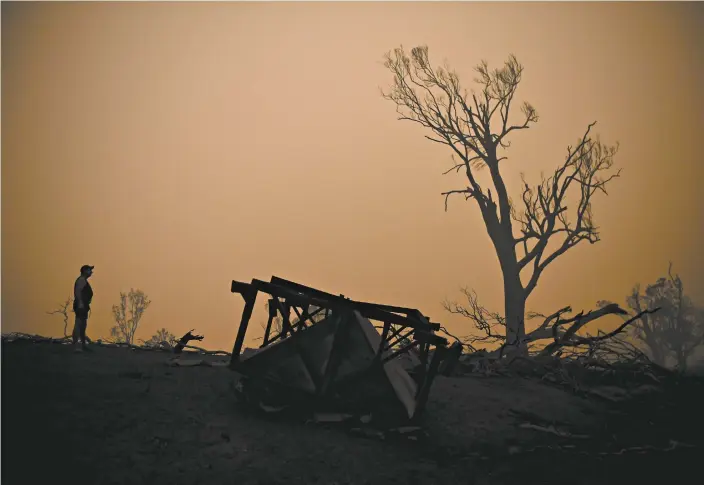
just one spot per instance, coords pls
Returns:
(120, 416)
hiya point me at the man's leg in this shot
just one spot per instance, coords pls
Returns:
(84, 326)
(80, 329)
(76, 330)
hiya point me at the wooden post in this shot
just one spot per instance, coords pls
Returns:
(423, 355)
(272, 315)
(382, 344)
(424, 390)
(250, 298)
(285, 311)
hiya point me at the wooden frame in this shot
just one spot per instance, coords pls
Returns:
(403, 329)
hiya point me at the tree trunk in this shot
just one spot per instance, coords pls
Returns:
(514, 300)
(501, 235)
(514, 310)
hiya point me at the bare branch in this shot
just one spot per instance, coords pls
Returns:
(63, 310)
(491, 325)
(469, 194)
(544, 213)
(434, 98)
(569, 338)
(578, 321)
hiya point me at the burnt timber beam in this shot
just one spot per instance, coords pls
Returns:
(240, 287)
(299, 315)
(424, 389)
(423, 368)
(272, 315)
(323, 294)
(285, 311)
(411, 313)
(372, 311)
(393, 334)
(382, 343)
(400, 338)
(299, 325)
(249, 293)
(306, 314)
(401, 350)
(267, 331)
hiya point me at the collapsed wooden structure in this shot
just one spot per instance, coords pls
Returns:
(332, 348)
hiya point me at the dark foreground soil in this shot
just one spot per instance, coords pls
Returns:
(124, 416)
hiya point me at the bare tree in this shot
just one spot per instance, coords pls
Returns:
(128, 314)
(476, 128)
(491, 325)
(63, 311)
(162, 338)
(674, 332)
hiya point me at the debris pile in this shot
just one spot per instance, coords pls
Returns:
(338, 364)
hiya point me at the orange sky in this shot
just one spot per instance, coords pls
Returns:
(179, 146)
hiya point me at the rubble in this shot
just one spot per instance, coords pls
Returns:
(452, 359)
(337, 363)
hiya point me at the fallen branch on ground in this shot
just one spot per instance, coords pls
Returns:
(15, 336)
(569, 337)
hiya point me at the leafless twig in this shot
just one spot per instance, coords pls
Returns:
(63, 311)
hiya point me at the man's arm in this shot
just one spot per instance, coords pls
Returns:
(78, 291)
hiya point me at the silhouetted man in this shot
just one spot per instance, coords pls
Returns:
(82, 296)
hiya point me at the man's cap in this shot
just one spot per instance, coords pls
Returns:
(86, 267)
